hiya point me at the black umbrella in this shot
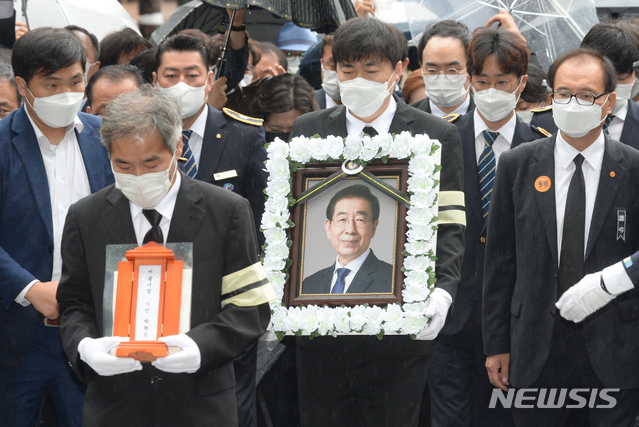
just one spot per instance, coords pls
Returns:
(194, 14)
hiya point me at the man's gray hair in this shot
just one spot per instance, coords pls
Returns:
(140, 113)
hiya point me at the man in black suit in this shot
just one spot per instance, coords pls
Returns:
(223, 148)
(556, 211)
(375, 382)
(442, 57)
(153, 201)
(459, 390)
(352, 217)
(619, 44)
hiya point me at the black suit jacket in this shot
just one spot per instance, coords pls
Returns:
(215, 221)
(472, 273)
(424, 105)
(230, 145)
(521, 271)
(450, 240)
(630, 132)
(374, 276)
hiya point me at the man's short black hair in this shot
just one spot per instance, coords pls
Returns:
(114, 73)
(145, 61)
(91, 36)
(354, 191)
(119, 43)
(365, 38)
(46, 51)
(510, 51)
(616, 43)
(182, 43)
(447, 28)
(536, 89)
(610, 77)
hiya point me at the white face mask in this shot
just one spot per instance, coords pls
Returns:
(57, 111)
(445, 92)
(494, 104)
(293, 63)
(246, 80)
(190, 99)
(330, 84)
(364, 97)
(146, 190)
(624, 93)
(525, 115)
(576, 120)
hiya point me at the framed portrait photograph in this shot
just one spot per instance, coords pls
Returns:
(351, 227)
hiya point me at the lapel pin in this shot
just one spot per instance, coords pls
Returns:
(542, 184)
(612, 174)
(218, 136)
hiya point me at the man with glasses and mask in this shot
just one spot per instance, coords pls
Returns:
(352, 217)
(563, 207)
(50, 157)
(442, 57)
(497, 61)
(372, 382)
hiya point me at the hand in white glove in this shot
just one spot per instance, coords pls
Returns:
(95, 352)
(270, 340)
(436, 308)
(186, 361)
(587, 296)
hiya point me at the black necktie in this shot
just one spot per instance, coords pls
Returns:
(155, 233)
(571, 262)
(370, 131)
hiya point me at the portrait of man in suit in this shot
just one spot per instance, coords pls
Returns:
(352, 217)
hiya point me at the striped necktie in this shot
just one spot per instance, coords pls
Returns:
(607, 123)
(189, 166)
(487, 166)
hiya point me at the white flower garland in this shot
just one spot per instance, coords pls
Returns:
(407, 318)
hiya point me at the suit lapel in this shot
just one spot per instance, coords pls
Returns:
(363, 279)
(402, 119)
(336, 123)
(26, 144)
(187, 215)
(631, 123)
(466, 133)
(607, 191)
(546, 200)
(117, 219)
(93, 155)
(212, 146)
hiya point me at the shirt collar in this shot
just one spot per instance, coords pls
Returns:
(381, 124)
(565, 153)
(507, 131)
(199, 125)
(166, 205)
(330, 102)
(461, 110)
(77, 125)
(355, 264)
(623, 111)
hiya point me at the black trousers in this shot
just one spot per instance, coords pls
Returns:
(568, 367)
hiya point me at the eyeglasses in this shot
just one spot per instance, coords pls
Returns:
(503, 85)
(360, 222)
(583, 98)
(450, 73)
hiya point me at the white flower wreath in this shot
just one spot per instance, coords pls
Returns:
(407, 318)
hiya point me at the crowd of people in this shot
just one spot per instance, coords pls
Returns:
(116, 141)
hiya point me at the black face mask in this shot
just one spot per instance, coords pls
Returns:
(270, 136)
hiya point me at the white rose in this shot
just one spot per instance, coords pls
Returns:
(275, 236)
(418, 308)
(415, 293)
(277, 168)
(420, 144)
(421, 165)
(416, 278)
(278, 187)
(318, 149)
(296, 318)
(419, 216)
(385, 143)
(423, 200)
(334, 146)
(416, 263)
(413, 323)
(276, 204)
(420, 184)
(277, 149)
(420, 232)
(401, 146)
(417, 248)
(310, 321)
(393, 318)
(279, 251)
(371, 147)
(279, 319)
(374, 319)
(325, 321)
(342, 320)
(299, 149)
(270, 220)
(358, 317)
(352, 147)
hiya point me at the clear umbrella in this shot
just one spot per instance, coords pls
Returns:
(552, 27)
(99, 17)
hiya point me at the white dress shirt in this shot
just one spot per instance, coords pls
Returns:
(165, 207)
(564, 169)
(68, 183)
(461, 110)
(615, 128)
(355, 126)
(197, 137)
(353, 266)
(503, 141)
(330, 102)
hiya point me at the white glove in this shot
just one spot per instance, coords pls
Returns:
(270, 340)
(95, 352)
(436, 308)
(186, 361)
(587, 296)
